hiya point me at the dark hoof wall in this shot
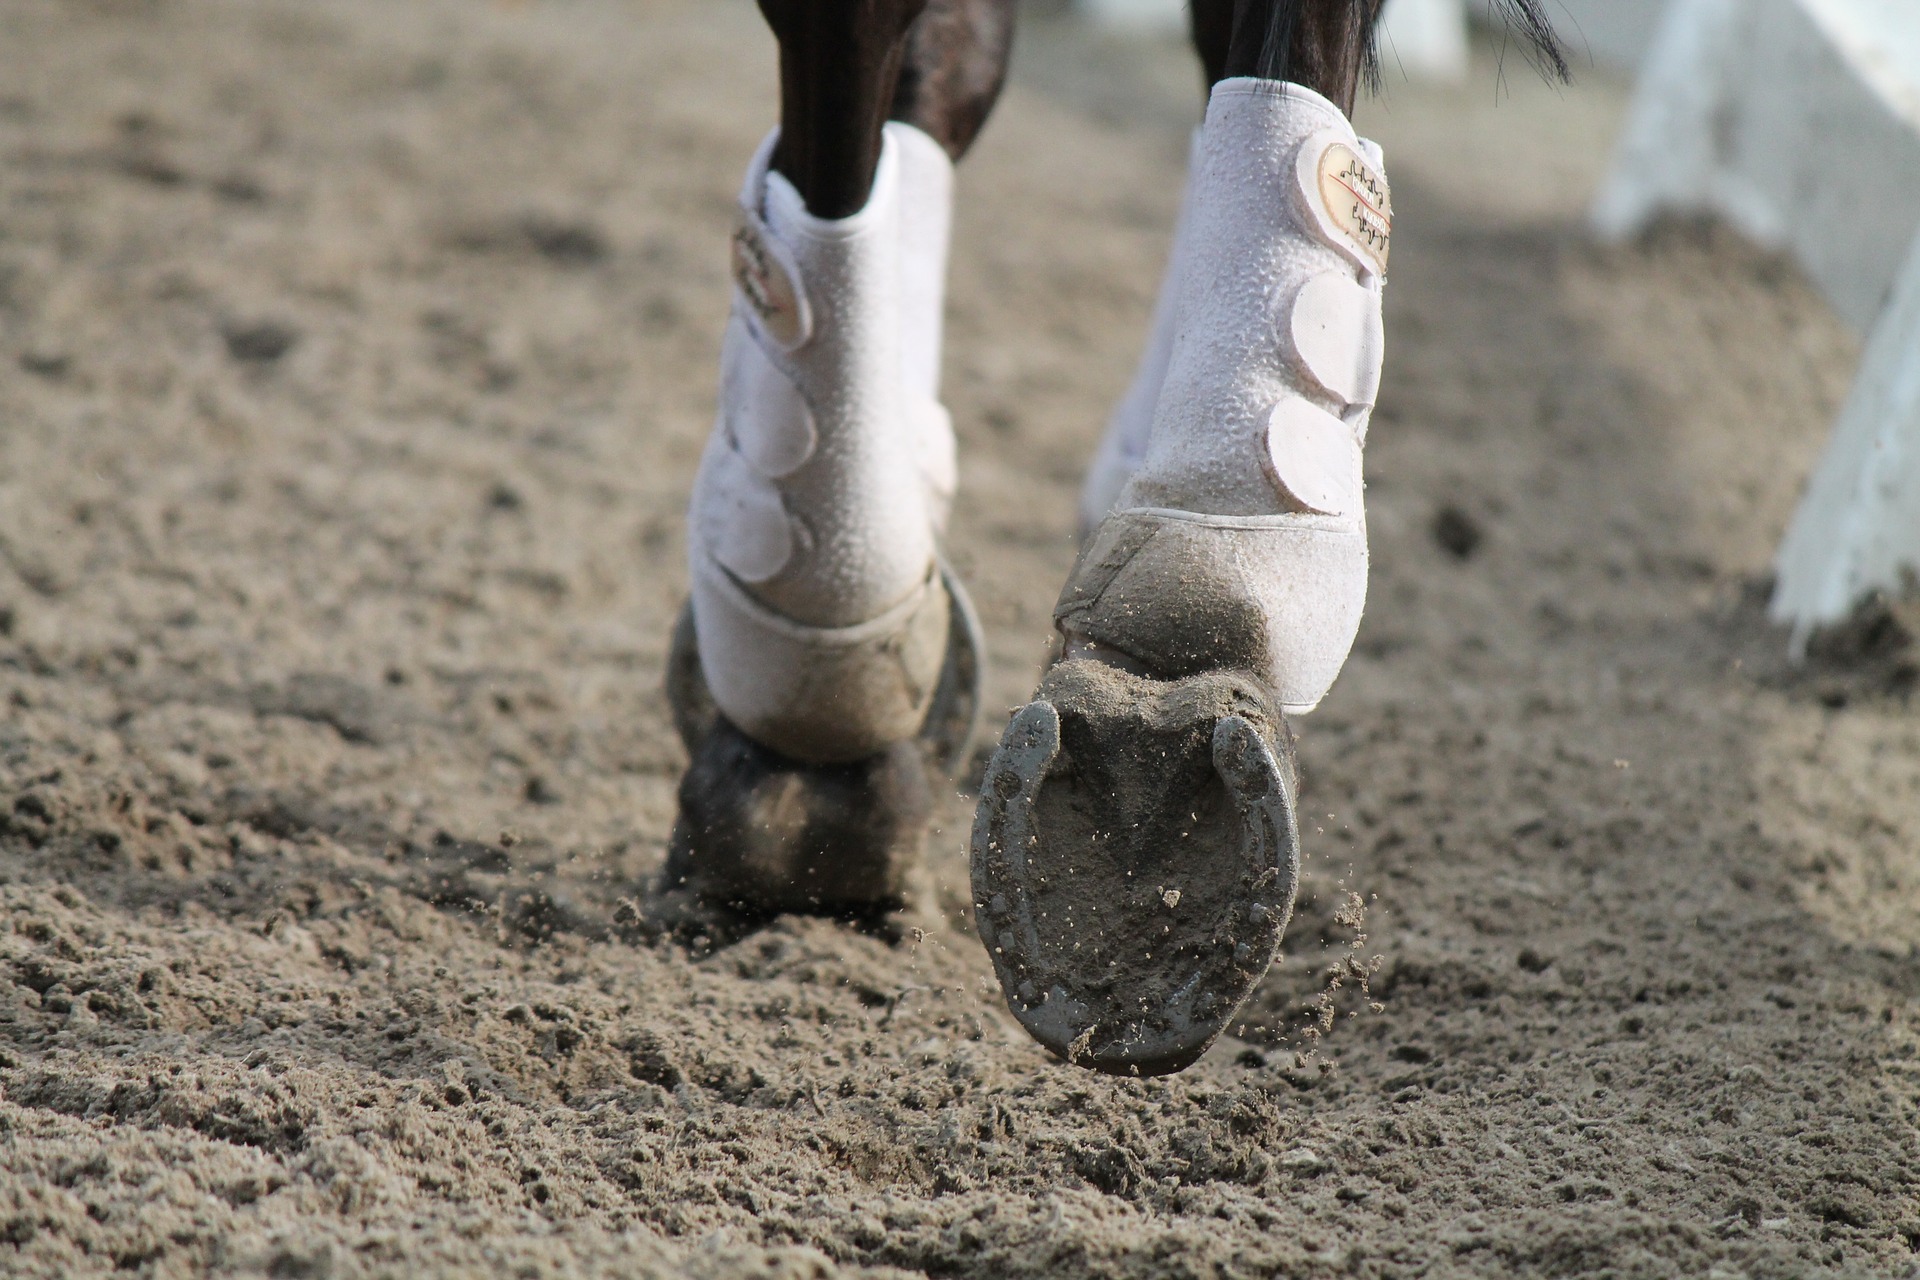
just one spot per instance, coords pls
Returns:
(1135, 857)
(759, 834)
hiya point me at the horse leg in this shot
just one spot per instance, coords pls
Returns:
(846, 68)
(1326, 47)
(1135, 851)
(828, 659)
(955, 67)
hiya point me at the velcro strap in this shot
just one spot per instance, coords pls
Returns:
(768, 419)
(769, 283)
(1337, 335)
(743, 522)
(1313, 459)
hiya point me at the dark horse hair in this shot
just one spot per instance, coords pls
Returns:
(1274, 28)
(1543, 48)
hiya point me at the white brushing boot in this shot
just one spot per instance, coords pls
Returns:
(1135, 852)
(826, 658)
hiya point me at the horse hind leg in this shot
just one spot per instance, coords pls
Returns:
(955, 66)
(829, 662)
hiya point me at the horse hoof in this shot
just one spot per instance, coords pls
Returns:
(1135, 857)
(953, 716)
(759, 834)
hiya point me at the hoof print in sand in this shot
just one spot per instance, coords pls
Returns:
(1135, 857)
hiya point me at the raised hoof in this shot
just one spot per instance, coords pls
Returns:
(1135, 857)
(759, 834)
(953, 715)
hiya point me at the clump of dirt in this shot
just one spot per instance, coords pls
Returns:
(1875, 650)
(1870, 657)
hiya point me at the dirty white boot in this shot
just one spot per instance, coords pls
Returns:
(822, 628)
(1135, 852)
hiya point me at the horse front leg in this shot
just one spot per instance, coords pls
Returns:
(849, 66)
(840, 64)
(829, 662)
(1135, 850)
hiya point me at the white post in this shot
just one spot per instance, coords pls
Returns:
(1858, 528)
(1665, 160)
(1798, 121)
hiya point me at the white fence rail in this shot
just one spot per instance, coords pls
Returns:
(1798, 121)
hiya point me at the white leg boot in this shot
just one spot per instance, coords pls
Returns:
(1135, 852)
(827, 662)
(1243, 531)
(821, 614)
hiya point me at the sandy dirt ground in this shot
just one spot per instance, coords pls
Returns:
(354, 360)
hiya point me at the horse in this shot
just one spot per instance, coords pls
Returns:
(1135, 849)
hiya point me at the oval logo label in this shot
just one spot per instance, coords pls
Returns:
(769, 284)
(1354, 203)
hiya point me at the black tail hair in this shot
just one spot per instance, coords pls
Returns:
(1276, 24)
(1543, 47)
